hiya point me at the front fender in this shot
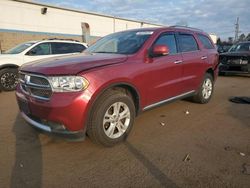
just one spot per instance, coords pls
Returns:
(8, 66)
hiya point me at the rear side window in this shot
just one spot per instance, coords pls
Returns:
(168, 40)
(205, 41)
(187, 43)
(65, 48)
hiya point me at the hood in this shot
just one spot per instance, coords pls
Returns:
(235, 54)
(73, 64)
(7, 55)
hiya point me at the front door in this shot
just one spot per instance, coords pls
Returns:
(166, 71)
(40, 51)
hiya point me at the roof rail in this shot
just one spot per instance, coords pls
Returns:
(186, 27)
(62, 39)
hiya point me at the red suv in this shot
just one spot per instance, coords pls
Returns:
(99, 92)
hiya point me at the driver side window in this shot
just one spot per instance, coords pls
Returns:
(169, 41)
(40, 49)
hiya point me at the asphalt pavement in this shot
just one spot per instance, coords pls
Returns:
(181, 144)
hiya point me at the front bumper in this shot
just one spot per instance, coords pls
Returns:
(45, 128)
(64, 113)
(242, 69)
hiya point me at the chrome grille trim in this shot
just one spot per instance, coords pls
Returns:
(28, 87)
(38, 86)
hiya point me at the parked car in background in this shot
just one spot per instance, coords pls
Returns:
(236, 60)
(12, 59)
(222, 48)
(101, 91)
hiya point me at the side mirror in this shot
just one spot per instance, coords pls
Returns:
(160, 50)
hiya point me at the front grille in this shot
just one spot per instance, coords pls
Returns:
(39, 81)
(35, 85)
(41, 92)
(234, 60)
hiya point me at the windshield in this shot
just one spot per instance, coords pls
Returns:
(241, 47)
(19, 48)
(127, 42)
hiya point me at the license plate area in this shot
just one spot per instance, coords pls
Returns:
(24, 106)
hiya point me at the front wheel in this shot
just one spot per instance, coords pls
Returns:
(112, 118)
(8, 79)
(205, 91)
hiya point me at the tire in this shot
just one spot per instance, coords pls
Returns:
(205, 91)
(8, 79)
(111, 118)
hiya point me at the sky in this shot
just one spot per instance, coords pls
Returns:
(212, 16)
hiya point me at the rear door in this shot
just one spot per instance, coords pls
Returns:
(211, 56)
(193, 61)
(166, 71)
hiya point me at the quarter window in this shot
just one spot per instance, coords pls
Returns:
(169, 41)
(78, 47)
(205, 42)
(187, 43)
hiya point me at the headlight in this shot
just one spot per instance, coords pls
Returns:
(68, 83)
(243, 62)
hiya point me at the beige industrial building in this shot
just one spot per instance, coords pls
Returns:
(23, 20)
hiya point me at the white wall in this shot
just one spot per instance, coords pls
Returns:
(27, 17)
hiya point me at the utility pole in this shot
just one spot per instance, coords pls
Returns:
(237, 27)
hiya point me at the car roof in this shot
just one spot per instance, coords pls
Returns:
(57, 40)
(170, 28)
(61, 40)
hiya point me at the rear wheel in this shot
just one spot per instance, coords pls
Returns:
(112, 118)
(8, 79)
(205, 91)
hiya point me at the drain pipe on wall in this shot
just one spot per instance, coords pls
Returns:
(114, 24)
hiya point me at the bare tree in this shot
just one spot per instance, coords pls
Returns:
(242, 37)
(248, 37)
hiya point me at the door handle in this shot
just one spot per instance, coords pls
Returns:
(204, 57)
(178, 62)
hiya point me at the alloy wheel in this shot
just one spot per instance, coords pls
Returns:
(116, 120)
(207, 88)
(9, 80)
